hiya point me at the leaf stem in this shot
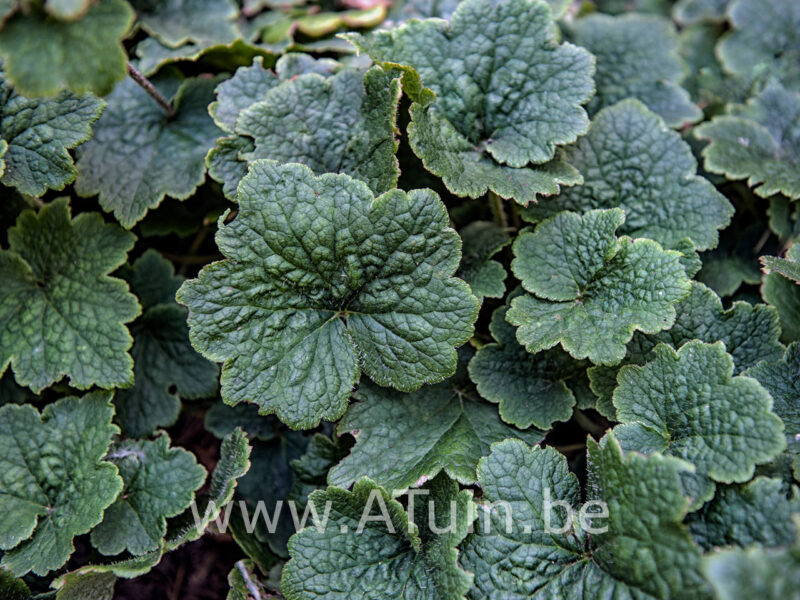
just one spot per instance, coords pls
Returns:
(497, 209)
(151, 90)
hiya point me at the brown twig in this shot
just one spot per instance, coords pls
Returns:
(151, 90)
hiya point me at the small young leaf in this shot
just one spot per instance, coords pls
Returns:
(788, 267)
(323, 280)
(759, 142)
(784, 295)
(403, 439)
(630, 159)
(139, 154)
(159, 482)
(37, 132)
(590, 290)
(481, 241)
(395, 555)
(60, 312)
(637, 57)
(44, 55)
(54, 484)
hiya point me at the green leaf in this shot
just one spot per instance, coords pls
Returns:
(44, 55)
(166, 367)
(631, 160)
(788, 267)
(649, 556)
(759, 141)
(60, 312)
(53, 482)
(531, 389)
(405, 439)
(482, 240)
(245, 582)
(590, 290)
(67, 10)
(138, 154)
(784, 294)
(396, 557)
(321, 281)
(696, 410)
(85, 586)
(159, 482)
(507, 94)
(750, 334)
(339, 124)
(688, 12)
(764, 40)
(754, 573)
(222, 419)
(637, 57)
(176, 22)
(742, 515)
(779, 377)
(12, 588)
(37, 132)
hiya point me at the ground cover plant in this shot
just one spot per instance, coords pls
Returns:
(431, 300)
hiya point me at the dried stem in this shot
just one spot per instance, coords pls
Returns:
(151, 90)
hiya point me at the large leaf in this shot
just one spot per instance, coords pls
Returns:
(38, 132)
(631, 160)
(405, 439)
(159, 482)
(139, 154)
(637, 57)
(759, 142)
(590, 290)
(323, 280)
(507, 94)
(44, 55)
(60, 312)
(750, 334)
(764, 41)
(394, 555)
(530, 388)
(54, 484)
(687, 404)
(754, 573)
(528, 547)
(166, 367)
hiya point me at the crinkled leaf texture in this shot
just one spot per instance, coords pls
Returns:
(138, 154)
(517, 557)
(405, 439)
(780, 378)
(742, 515)
(38, 132)
(764, 41)
(313, 112)
(759, 142)
(159, 482)
(637, 57)
(531, 389)
(630, 159)
(395, 555)
(44, 55)
(590, 290)
(60, 312)
(686, 403)
(54, 484)
(323, 280)
(754, 573)
(507, 94)
(750, 334)
(166, 367)
(788, 267)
